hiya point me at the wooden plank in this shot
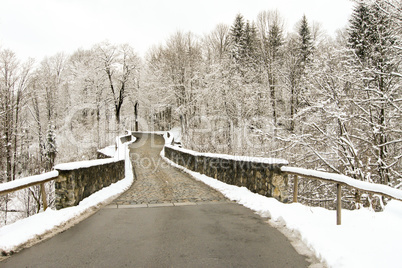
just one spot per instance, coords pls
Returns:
(338, 203)
(25, 185)
(295, 188)
(44, 197)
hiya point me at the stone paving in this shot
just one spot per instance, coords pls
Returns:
(157, 182)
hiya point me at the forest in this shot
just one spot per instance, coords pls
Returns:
(250, 88)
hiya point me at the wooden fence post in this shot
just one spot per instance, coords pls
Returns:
(295, 188)
(338, 203)
(44, 197)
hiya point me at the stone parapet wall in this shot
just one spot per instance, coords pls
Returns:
(257, 175)
(73, 185)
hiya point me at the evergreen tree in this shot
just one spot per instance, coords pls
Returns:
(306, 41)
(238, 39)
(250, 37)
(372, 39)
(359, 31)
(251, 48)
(275, 42)
(304, 53)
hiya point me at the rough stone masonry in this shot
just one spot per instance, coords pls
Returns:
(259, 177)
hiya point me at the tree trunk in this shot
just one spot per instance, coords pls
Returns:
(292, 109)
(136, 115)
(8, 138)
(17, 108)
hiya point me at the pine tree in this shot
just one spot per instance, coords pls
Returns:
(238, 39)
(305, 50)
(275, 42)
(306, 46)
(251, 48)
(359, 31)
(372, 39)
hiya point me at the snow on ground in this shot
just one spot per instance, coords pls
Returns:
(365, 238)
(22, 231)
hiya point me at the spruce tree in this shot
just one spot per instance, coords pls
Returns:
(306, 43)
(359, 31)
(238, 38)
(373, 42)
(250, 49)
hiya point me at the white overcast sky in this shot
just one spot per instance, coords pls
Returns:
(39, 28)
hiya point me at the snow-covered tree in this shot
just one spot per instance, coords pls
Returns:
(121, 65)
(238, 39)
(374, 40)
(14, 78)
(270, 28)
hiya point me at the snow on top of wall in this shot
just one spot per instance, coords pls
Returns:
(151, 132)
(28, 180)
(233, 157)
(363, 185)
(108, 151)
(84, 164)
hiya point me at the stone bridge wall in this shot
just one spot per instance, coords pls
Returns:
(74, 184)
(259, 176)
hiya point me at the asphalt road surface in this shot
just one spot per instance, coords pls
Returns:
(177, 228)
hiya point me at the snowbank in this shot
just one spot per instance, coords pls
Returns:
(365, 238)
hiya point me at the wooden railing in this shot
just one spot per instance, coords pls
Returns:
(340, 180)
(12, 186)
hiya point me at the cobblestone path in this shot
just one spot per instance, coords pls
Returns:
(157, 182)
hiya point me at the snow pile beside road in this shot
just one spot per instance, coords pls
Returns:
(365, 238)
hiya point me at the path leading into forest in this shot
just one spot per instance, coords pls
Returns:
(166, 219)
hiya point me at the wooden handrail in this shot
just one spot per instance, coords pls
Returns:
(12, 186)
(340, 180)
